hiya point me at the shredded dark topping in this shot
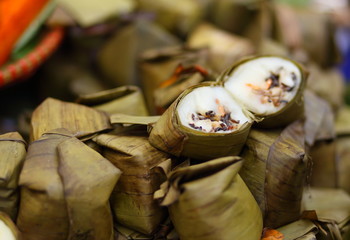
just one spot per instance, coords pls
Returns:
(274, 90)
(220, 121)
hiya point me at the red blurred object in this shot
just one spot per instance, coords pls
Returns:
(28, 64)
(15, 17)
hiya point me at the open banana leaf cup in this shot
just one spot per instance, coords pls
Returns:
(279, 103)
(172, 134)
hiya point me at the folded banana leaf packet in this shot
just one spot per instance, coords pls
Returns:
(275, 170)
(224, 47)
(175, 120)
(65, 190)
(125, 99)
(160, 66)
(132, 200)
(128, 45)
(210, 201)
(78, 119)
(13, 153)
(320, 141)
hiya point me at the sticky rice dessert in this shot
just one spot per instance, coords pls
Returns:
(265, 85)
(204, 122)
(8, 230)
(270, 87)
(211, 110)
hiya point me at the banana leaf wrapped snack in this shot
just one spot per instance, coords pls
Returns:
(65, 188)
(159, 66)
(322, 80)
(213, 120)
(8, 230)
(271, 87)
(181, 79)
(275, 169)
(125, 99)
(178, 17)
(235, 15)
(132, 200)
(320, 141)
(299, 230)
(210, 201)
(308, 29)
(330, 207)
(203, 123)
(117, 59)
(224, 47)
(342, 125)
(13, 153)
(78, 119)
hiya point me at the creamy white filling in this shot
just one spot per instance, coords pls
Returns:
(5, 232)
(227, 115)
(250, 84)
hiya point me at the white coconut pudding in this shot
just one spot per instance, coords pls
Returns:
(264, 85)
(5, 232)
(211, 109)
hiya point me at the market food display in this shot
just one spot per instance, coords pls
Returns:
(171, 122)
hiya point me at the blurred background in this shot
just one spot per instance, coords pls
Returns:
(66, 49)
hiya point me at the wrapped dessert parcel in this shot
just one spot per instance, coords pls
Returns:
(132, 200)
(211, 201)
(13, 152)
(213, 119)
(65, 190)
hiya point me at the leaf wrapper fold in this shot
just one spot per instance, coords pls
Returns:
(65, 188)
(158, 65)
(78, 119)
(275, 170)
(125, 99)
(13, 153)
(210, 201)
(132, 200)
(169, 135)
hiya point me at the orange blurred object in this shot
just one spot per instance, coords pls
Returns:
(272, 234)
(15, 17)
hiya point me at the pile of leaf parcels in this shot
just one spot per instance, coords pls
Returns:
(86, 168)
